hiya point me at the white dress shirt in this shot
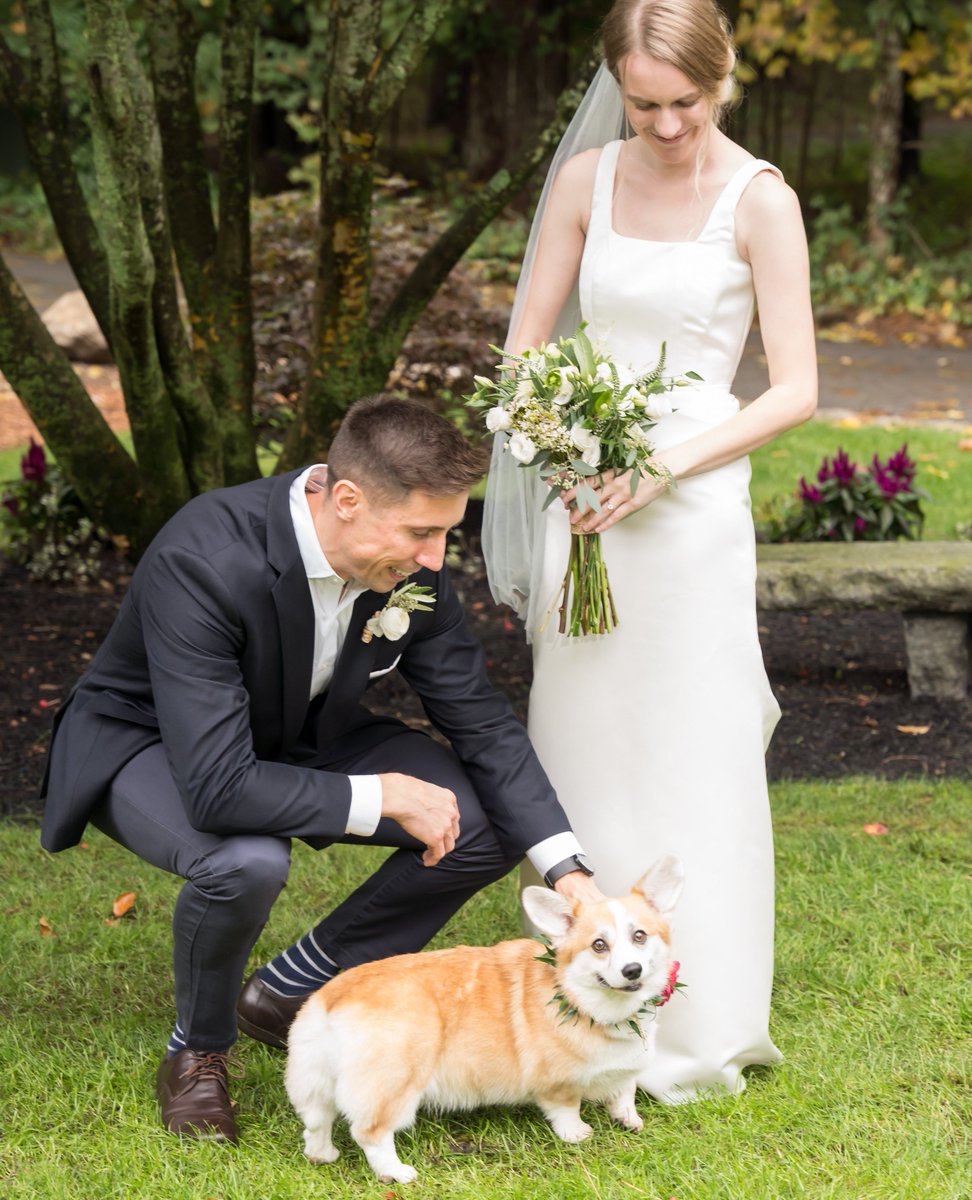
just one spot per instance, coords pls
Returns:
(333, 599)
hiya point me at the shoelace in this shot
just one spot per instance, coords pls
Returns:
(210, 1065)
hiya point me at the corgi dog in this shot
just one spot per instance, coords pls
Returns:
(506, 1024)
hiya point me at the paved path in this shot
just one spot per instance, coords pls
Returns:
(894, 379)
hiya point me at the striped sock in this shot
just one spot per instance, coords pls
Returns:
(299, 970)
(177, 1041)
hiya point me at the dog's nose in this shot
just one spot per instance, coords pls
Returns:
(631, 971)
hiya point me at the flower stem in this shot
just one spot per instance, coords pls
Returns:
(586, 602)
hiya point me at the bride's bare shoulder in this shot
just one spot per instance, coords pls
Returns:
(580, 169)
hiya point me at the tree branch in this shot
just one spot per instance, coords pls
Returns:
(399, 62)
(432, 268)
(173, 40)
(34, 93)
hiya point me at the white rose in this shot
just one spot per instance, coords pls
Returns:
(603, 371)
(658, 405)
(524, 390)
(522, 449)
(498, 419)
(587, 443)
(393, 623)
(566, 389)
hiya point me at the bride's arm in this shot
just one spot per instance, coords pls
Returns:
(559, 249)
(771, 235)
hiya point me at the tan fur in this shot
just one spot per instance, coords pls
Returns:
(457, 1028)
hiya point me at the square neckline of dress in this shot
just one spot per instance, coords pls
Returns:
(625, 237)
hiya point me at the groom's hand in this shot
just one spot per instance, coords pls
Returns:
(426, 811)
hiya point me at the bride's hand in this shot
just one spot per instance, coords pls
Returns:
(617, 502)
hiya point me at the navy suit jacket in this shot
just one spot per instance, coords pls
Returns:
(211, 654)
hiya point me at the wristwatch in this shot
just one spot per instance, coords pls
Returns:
(576, 862)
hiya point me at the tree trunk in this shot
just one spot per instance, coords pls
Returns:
(214, 265)
(87, 451)
(363, 82)
(885, 134)
(121, 137)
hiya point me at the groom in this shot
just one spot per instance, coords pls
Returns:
(223, 716)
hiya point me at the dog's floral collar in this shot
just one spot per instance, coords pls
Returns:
(569, 1013)
(393, 620)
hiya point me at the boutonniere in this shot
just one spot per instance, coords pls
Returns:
(392, 621)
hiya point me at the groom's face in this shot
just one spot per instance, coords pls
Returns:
(382, 543)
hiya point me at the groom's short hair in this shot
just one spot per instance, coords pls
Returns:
(390, 447)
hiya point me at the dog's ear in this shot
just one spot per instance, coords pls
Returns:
(661, 884)
(550, 913)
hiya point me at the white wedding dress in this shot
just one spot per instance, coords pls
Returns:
(654, 735)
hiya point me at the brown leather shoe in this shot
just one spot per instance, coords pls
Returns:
(264, 1015)
(193, 1093)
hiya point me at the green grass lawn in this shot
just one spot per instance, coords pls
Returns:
(872, 1011)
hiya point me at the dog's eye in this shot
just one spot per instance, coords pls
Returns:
(639, 936)
(599, 946)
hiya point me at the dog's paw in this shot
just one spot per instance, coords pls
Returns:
(629, 1119)
(573, 1131)
(320, 1150)
(400, 1174)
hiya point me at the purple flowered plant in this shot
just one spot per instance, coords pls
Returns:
(33, 466)
(43, 525)
(849, 504)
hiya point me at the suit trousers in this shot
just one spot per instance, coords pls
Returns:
(233, 881)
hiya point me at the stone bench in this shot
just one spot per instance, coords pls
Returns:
(929, 583)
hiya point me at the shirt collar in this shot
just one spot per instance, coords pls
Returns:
(316, 565)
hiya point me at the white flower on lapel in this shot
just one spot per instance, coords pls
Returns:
(393, 620)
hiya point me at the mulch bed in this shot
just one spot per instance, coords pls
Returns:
(840, 680)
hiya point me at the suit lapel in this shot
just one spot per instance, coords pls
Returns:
(295, 611)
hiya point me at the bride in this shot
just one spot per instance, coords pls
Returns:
(656, 227)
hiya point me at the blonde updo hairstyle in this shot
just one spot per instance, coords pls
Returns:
(693, 36)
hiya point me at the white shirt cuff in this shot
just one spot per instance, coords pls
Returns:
(365, 811)
(552, 850)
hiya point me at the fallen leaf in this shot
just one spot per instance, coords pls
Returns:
(46, 928)
(876, 829)
(124, 903)
(913, 729)
(965, 444)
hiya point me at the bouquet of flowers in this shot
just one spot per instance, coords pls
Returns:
(569, 415)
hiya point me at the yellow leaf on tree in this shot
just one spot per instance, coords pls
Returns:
(123, 904)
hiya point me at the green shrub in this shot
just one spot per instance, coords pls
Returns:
(847, 504)
(44, 525)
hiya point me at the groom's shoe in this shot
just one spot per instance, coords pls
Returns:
(264, 1015)
(193, 1093)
